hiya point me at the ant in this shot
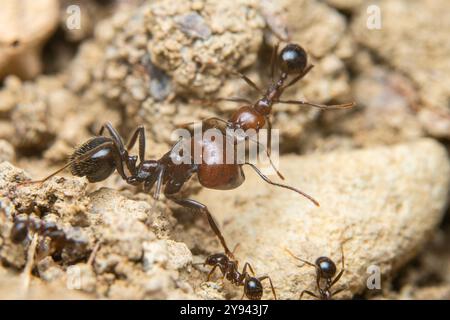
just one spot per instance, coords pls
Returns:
(291, 61)
(325, 269)
(253, 288)
(22, 226)
(101, 155)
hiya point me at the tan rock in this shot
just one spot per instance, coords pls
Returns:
(412, 39)
(380, 203)
(24, 27)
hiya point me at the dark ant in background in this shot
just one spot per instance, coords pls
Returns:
(23, 225)
(253, 288)
(326, 270)
(292, 61)
(101, 155)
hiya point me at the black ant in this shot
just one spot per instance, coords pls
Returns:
(253, 288)
(23, 225)
(325, 269)
(292, 61)
(101, 155)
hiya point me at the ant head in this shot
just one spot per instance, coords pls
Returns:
(292, 59)
(253, 288)
(98, 166)
(326, 267)
(216, 259)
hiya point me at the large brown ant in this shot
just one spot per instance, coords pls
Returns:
(253, 288)
(291, 61)
(101, 155)
(326, 270)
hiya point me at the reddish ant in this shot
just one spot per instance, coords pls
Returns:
(253, 288)
(101, 155)
(325, 269)
(292, 61)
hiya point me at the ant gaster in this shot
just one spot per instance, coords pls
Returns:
(101, 155)
(325, 270)
(292, 61)
(253, 288)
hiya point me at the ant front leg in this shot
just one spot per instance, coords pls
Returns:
(271, 285)
(192, 204)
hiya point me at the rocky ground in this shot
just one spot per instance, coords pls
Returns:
(380, 171)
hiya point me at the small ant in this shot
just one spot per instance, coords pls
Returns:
(325, 269)
(253, 288)
(101, 155)
(23, 225)
(292, 61)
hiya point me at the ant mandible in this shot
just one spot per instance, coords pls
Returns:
(101, 155)
(325, 269)
(292, 61)
(253, 288)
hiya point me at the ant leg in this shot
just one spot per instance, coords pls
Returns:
(338, 291)
(247, 80)
(266, 179)
(210, 122)
(320, 106)
(235, 248)
(269, 135)
(300, 76)
(114, 134)
(192, 204)
(342, 269)
(273, 60)
(271, 285)
(268, 156)
(211, 272)
(300, 259)
(310, 293)
(140, 131)
(244, 270)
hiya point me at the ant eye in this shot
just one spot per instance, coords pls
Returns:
(293, 59)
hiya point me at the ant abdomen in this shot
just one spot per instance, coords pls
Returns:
(293, 59)
(97, 167)
(253, 288)
(327, 267)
